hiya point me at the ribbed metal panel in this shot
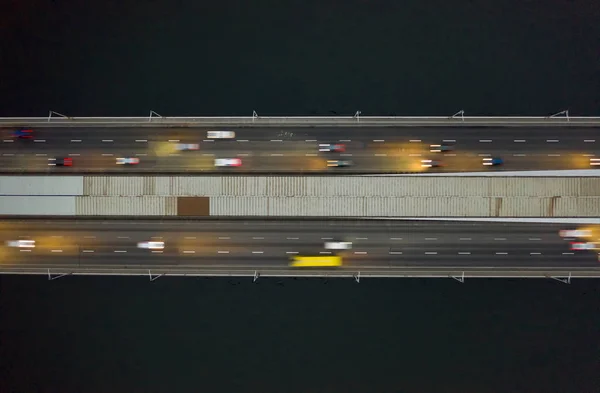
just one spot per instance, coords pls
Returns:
(41, 185)
(577, 207)
(239, 206)
(525, 207)
(38, 205)
(334, 186)
(127, 206)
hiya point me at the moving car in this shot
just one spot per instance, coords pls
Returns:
(228, 162)
(582, 246)
(493, 161)
(128, 161)
(308, 261)
(23, 133)
(21, 243)
(339, 163)
(338, 245)
(595, 161)
(60, 161)
(431, 164)
(152, 245)
(440, 148)
(332, 147)
(187, 146)
(220, 134)
(575, 233)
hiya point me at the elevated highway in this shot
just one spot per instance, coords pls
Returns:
(277, 149)
(240, 246)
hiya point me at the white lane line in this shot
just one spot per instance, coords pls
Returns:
(519, 140)
(173, 140)
(345, 154)
(415, 140)
(360, 252)
(189, 252)
(464, 253)
(39, 140)
(431, 253)
(107, 155)
(568, 253)
(75, 140)
(362, 238)
(174, 155)
(157, 252)
(553, 155)
(588, 155)
(551, 140)
(258, 252)
(535, 253)
(88, 250)
(141, 140)
(499, 238)
(208, 154)
(414, 155)
(501, 253)
(293, 238)
(42, 155)
(141, 155)
(89, 237)
(589, 140)
(395, 252)
(276, 155)
(56, 250)
(519, 155)
(74, 154)
(243, 155)
(258, 238)
(484, 155)
(326, 238)
(25, 250)
(8, 154)
(107, 140)
(208, 140)
(276, 140)
(243, 140)
(57, 237)
(534, 238)
(395, 238)
(431, 238)
(449, 140)
(345, 140)
(325, 252)
(310, 154)
(190, 237)
(378, 140)
(465, 238)
(156, 237)
(291, 252)
(380, 155)
(223, 252)
(8, 141)
(310, 140)
(224, 238)
(485, 140)
(450, 155)
(120, 251)
(122, 237)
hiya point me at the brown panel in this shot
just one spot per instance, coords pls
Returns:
(193, 206)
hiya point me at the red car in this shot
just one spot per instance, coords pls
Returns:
(332, 147)
(60, 161)
(23, 133)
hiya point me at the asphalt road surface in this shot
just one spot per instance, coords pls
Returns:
(386, 247)
(281, 150)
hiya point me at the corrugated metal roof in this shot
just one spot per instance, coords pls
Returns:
(38, 205)
(41, 185)
(126, 206)
(292, 186)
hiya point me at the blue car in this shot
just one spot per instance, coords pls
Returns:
(494, 161)
(23, 133)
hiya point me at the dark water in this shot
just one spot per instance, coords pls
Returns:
(298, 57)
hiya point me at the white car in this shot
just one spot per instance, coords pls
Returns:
(338, 245)
(128, 161)
(580, 246)
(575, 233)
(220, 162)
(21, 243)
(594, 161)
(152, 245)
(187, 146)
(220, 134)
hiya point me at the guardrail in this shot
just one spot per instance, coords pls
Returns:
(357, 120)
